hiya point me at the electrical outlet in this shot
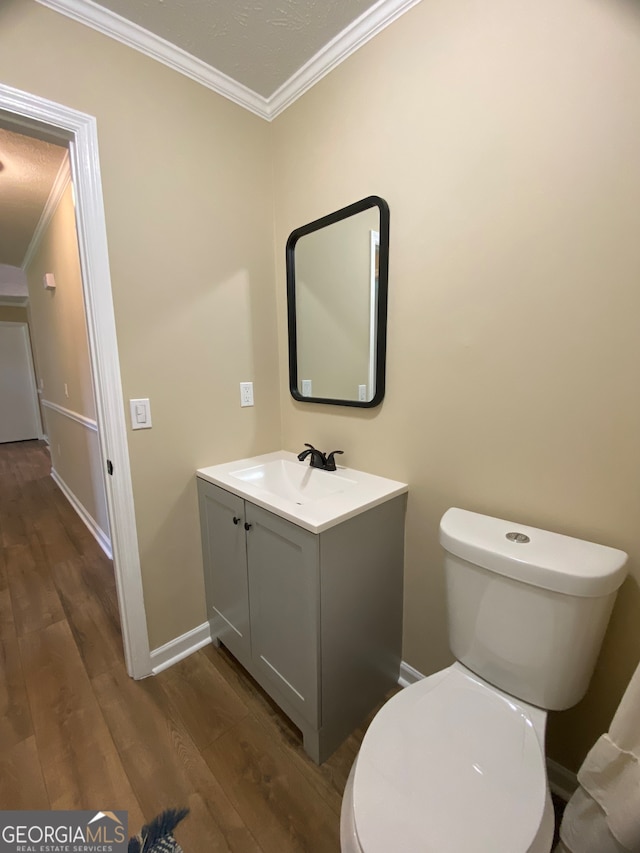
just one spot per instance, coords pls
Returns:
(362, 393)
(246, 393)
(306, 388)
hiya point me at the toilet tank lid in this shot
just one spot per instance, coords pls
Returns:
(537, 557)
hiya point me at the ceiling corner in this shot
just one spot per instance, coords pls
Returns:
(360, 31)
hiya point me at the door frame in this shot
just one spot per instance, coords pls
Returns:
(79, 131)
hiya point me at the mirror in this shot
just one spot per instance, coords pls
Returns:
(337, 279)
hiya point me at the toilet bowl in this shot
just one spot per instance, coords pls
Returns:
(451, 765)
(455, 763)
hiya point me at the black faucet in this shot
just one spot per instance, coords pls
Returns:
(319, 459)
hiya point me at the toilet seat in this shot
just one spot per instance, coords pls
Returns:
(451, 764)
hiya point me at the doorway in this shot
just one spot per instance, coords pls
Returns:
(30, 114)
(19, 415)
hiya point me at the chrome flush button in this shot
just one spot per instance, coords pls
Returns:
(518, 537)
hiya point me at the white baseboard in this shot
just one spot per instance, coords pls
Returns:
(408, 675)
(562, 782)
(97, 532)
(181, 647)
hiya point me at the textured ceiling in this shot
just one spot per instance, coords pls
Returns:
(27, 173)
(258, 43)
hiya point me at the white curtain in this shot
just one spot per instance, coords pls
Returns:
(603, 816)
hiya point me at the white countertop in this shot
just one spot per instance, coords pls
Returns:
(354, 491)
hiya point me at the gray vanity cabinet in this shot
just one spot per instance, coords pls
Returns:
(284, 597)
(316, 619)
(223, 541)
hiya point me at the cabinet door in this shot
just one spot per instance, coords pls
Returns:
(225, 568)
(284, 602)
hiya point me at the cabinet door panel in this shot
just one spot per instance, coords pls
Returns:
(225, 560)
(283, 583)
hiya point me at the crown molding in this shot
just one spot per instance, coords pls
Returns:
(369, 24)
(353, 37)
(110, 24)
(55, 196)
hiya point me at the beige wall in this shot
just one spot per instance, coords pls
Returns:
(61, 355)
(187, 186)
(504, 137)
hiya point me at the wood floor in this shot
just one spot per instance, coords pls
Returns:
(77, 732)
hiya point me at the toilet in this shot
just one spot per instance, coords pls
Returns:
(455, 763)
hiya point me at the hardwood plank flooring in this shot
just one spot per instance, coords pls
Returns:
(21, 783)
(15, 716)
(77, 732)
(34, 597)
(272, 796)
(78, 761)
(207, 705)
(7, 626)
(95, 627)
(153, 744)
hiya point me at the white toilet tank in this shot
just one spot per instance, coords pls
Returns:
(527, 608)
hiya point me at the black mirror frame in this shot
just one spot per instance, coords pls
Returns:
(383, 288)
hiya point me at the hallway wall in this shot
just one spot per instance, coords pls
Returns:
(63, 367)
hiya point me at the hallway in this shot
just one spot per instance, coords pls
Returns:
(77, 732)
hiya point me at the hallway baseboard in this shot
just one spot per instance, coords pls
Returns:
(92, 526)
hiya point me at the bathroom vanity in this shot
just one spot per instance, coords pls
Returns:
(303, 576)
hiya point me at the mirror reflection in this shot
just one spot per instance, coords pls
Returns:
(337, 271)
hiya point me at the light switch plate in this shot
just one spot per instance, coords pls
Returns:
(140, 413)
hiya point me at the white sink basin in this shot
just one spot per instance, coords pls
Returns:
(309, 497)
(294, 481)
